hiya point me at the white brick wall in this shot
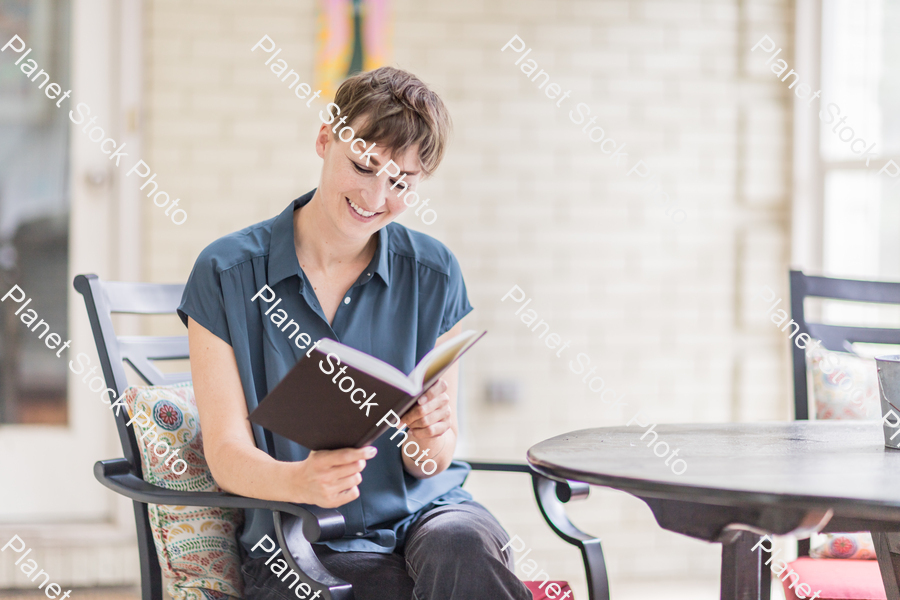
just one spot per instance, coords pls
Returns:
(524, 198)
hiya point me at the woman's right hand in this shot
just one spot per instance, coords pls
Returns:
(329, 478)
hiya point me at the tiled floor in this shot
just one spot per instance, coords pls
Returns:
(658, 590)
(666, 590)
(77, 594)
(676, 590)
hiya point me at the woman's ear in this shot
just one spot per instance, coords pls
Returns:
(323, 139)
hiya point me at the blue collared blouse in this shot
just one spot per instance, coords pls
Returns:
(411, 293)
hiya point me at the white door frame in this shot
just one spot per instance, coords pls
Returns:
(80, 532)
(807, 207)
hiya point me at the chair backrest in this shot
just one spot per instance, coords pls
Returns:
(103, 299)
(836, 338)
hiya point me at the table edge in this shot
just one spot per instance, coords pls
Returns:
(641, 488)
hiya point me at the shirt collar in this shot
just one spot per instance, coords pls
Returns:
(283, 254)
(380, 260)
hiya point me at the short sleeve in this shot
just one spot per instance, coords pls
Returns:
(203, 299)
(456, 300)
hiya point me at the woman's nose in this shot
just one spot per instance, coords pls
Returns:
(376, 193)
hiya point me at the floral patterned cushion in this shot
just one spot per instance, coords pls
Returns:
(842, 545)
(844, 385)
(196, 546)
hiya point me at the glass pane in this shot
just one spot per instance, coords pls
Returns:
(853, 66)
(889, 95)
(861, 84)
(34, 209)
(852, 217)
(862, 220)
(860, 238)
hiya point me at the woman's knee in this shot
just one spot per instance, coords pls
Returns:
(464, 532)
(461, 550)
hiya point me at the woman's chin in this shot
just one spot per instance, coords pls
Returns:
(360, 230)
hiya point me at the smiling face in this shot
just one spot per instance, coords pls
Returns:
(356, 200)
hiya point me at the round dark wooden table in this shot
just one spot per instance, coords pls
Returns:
(765, 478)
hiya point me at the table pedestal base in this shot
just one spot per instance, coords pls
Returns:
(887, 547)
(745, 576)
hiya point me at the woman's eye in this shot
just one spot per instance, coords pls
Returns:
(359, 169)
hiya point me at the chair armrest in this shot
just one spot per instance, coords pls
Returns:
(550, 503)
(551, 494)
(478, 465)
(319, 524)
(565, 490)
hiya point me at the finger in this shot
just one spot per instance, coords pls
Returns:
(439, 406)
(344, 496)
(345, 483)
(431, 391)
(342, 471)
(345, 455)
(435, 390)
(433, 404)
(420, 427)
(432, 431)
(412, 415)
(348, 495)
(442, 414)
(415, 408)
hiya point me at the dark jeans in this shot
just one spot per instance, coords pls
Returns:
(452, 553)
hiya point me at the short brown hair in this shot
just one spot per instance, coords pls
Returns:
(396, 109)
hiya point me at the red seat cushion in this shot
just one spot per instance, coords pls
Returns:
(558, 589)
(839, 579)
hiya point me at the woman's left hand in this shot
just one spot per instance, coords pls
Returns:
(431, 416)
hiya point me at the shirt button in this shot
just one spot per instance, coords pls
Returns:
(347, 300)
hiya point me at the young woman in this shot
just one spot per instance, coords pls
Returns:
(343, 270)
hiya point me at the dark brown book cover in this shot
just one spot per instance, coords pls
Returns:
(308, 407)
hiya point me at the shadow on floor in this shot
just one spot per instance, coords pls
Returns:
(126, 593)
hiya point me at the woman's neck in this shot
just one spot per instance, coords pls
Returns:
(320, 246)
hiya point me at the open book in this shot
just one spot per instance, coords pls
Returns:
(340, 397)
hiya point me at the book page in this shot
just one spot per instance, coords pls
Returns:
(430, 365)
(368, 364)
(436, 360)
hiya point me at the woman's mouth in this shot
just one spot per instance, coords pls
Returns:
(358, 212)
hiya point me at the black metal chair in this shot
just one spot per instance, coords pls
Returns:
(838, 338)
(295, 524)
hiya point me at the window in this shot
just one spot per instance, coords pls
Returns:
(34, 209)
(860, 95)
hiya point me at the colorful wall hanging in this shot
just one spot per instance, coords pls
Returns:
(353, 36)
